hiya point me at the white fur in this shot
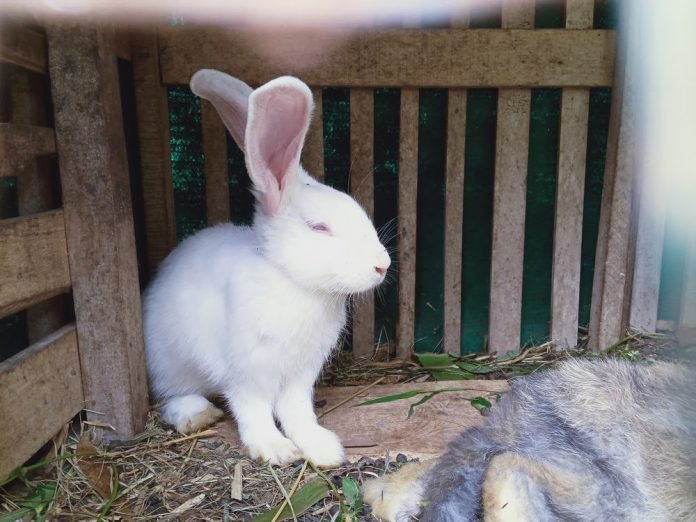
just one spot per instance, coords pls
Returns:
(252, 313)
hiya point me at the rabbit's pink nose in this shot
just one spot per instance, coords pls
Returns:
(381, 270)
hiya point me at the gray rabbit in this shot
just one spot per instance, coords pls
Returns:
(586, 441)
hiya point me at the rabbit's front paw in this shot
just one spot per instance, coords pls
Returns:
(321, 446)
(277, 450)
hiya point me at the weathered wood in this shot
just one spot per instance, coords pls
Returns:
(362, 188)
(454, 215)
(23, 47)
(570, 192)
(217, 193)
(687, 314)
(40, 384)
(29, 95)
(99, 225)
(33, 260)
(408, 58)
(509, 201)
(20, 145)
(153, 135)
(407, 207)
(313, 152)
(608, 313)
(375, 429)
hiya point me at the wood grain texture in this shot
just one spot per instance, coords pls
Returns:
(362, 188)
(509, 201)
(29, 95)
(454, 215)
(217, 192)
(570, 193)
(23, 47)
(408, 58)
(608, 312)
(33, 260)
(375, 429)
(43, 379)
(153, 135)
(20, 145)
(99, 225)
(313, 152)
(406, 228)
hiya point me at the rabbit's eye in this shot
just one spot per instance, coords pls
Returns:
(320, 227)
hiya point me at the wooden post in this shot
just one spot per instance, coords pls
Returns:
(570, 193)
(609, 309)
(99, 225)
(510, 200)
(153, 136)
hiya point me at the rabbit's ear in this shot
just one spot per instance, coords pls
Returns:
(279, 114)
(229, 96)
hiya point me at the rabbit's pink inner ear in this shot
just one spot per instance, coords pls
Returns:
(278, 121)
(229, 96)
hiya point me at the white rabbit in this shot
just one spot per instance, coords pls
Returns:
(253, 313)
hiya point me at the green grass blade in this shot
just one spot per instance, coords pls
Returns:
(303, 499)
(391, 398)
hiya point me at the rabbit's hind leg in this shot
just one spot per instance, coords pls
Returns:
(190, 413)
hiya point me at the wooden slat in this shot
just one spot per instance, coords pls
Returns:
(408, 58)
(608, 313)
(42, 391)
(29, 95)
(153, 136)
(313, 152)
(407, 207)
(509, 201)
(23, 47)
(454, 214)
(99, 224)
(22, 144)
(33, 260)
(570, 192)
(686, 330)
(362, 189)
(217, 194)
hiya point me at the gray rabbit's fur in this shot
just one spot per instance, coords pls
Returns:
(589, 440)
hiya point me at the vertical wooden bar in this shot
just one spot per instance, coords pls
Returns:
(570, 192)
(510, 200)
(153, 136)
(313, 153)
(217, 194)
(362, 188)
(407, 207)
(454, 210)
(29, 105)
(608, 313)
(99, 225)
(686, 330)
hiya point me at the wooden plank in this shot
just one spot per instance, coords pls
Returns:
(407, 58)
(380, 428)
(33, 260)
(43, 379)
(686, 330)
(313, 152)
(99, 225)
(406, 228)
(23, 47)
(217, 193)
(20, 145)
(153, 136)
(362, 188)
(509, 201)
(608, 313)
(454, 215)
(30, 94)
(570, 193)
